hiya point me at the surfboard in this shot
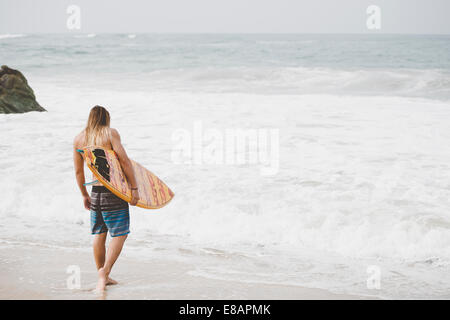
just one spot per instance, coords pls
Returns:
(105, 166)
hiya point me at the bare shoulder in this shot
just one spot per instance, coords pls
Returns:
(78, 139)
(115, 133)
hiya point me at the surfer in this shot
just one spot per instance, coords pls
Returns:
(108, 212)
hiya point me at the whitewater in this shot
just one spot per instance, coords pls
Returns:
(364, 159)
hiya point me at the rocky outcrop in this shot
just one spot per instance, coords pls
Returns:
(16, 96)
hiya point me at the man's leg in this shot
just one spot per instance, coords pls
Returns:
(99, 253)
(99, 249)
(114, 249)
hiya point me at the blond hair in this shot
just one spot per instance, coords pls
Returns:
(97, 131)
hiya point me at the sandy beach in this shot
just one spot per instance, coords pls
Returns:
(40, 273)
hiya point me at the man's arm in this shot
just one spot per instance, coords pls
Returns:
(125, 163)
(78, 163)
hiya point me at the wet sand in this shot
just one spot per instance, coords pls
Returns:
(38, 272)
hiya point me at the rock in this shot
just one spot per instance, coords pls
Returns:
(16, 96)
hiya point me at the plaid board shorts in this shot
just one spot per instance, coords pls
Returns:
(108, 213)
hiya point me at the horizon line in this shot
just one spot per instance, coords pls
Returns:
(223, 33)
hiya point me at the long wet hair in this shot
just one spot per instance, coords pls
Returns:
(97, 131)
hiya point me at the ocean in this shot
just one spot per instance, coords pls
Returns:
(363, 171)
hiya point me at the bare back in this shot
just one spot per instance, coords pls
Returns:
(81, 138)
(113, 143)
(79, 143)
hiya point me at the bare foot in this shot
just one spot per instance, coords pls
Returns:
(102, 280)
(111, 282)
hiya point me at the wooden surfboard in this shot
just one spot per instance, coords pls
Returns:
(105, 166)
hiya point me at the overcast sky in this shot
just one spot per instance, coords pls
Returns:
(225, 16)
